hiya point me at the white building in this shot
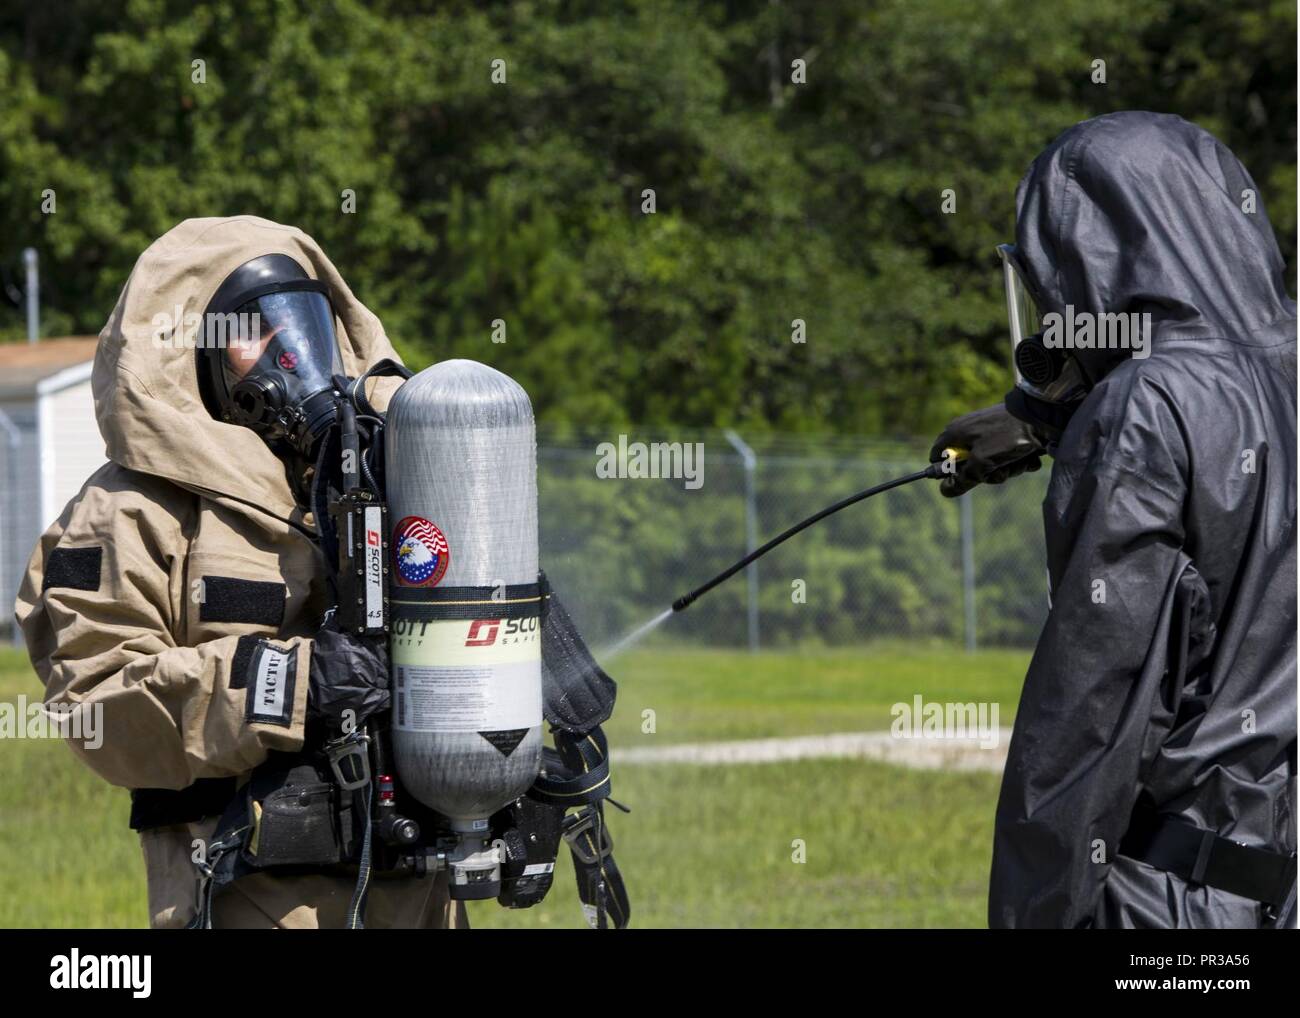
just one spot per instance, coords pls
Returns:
(49, 445)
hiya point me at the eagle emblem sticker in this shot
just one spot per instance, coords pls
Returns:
(420, 552)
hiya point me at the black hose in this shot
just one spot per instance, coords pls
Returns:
(686, 600)
(351, 446)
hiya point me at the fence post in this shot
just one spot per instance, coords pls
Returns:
(968, 568)
(749, 462)
(33, 292)
(9, 549)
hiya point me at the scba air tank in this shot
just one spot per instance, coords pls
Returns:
(461, 467)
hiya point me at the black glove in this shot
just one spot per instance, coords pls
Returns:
(348, 673)
(998, 446)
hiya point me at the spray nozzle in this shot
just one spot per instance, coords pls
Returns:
(952, 454)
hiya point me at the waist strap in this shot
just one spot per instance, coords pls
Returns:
(1201, 856)
(162, 807)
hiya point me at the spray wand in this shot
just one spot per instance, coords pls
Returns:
(935, 470)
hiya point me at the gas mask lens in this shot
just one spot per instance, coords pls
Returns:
(279, 372)
(1048, 373)
(1022, 309)
(287, 338)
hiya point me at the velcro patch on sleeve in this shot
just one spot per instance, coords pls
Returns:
(269, 675)
(242, 663)
(74, 568)
(230, 599)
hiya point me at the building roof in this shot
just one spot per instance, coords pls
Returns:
(26, 368)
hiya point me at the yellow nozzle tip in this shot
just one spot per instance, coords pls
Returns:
(955, 453)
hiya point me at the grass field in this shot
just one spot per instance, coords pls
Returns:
(704, 846)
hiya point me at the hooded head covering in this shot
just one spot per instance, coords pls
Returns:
(145, 378)
(1144, 212)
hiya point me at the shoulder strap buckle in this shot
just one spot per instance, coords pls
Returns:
(349, 759)
(577, 829)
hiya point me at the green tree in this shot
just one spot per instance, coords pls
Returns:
(478, 201)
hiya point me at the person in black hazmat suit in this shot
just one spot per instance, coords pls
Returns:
(1150, 780)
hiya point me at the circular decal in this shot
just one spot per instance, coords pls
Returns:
(420, 552)
(288, 360)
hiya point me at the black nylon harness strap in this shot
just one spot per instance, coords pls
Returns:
(600, 884)
(220, 863)
(484, 595)
(433, 604)
(576, 773)
(1202, 857)
(577, 696)
(163, 807)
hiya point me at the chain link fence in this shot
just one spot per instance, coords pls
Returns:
(905, 564)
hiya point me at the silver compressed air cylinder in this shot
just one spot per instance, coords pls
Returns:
(461, 476)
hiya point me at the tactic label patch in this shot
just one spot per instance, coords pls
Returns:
(270, 685)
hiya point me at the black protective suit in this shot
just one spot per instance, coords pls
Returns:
(1165, 677)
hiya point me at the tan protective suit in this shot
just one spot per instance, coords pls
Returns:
(187, 505)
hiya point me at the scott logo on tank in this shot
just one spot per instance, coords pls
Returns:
(483, 632)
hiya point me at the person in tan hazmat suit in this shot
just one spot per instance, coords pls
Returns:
(182, 592)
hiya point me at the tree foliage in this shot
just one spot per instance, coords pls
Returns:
(523, 201)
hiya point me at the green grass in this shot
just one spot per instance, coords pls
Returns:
(723, 694)
(67, 857)
(704, 846)
(713, 846)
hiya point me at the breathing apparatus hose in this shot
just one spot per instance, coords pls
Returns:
(355, 473)
(934, 470)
